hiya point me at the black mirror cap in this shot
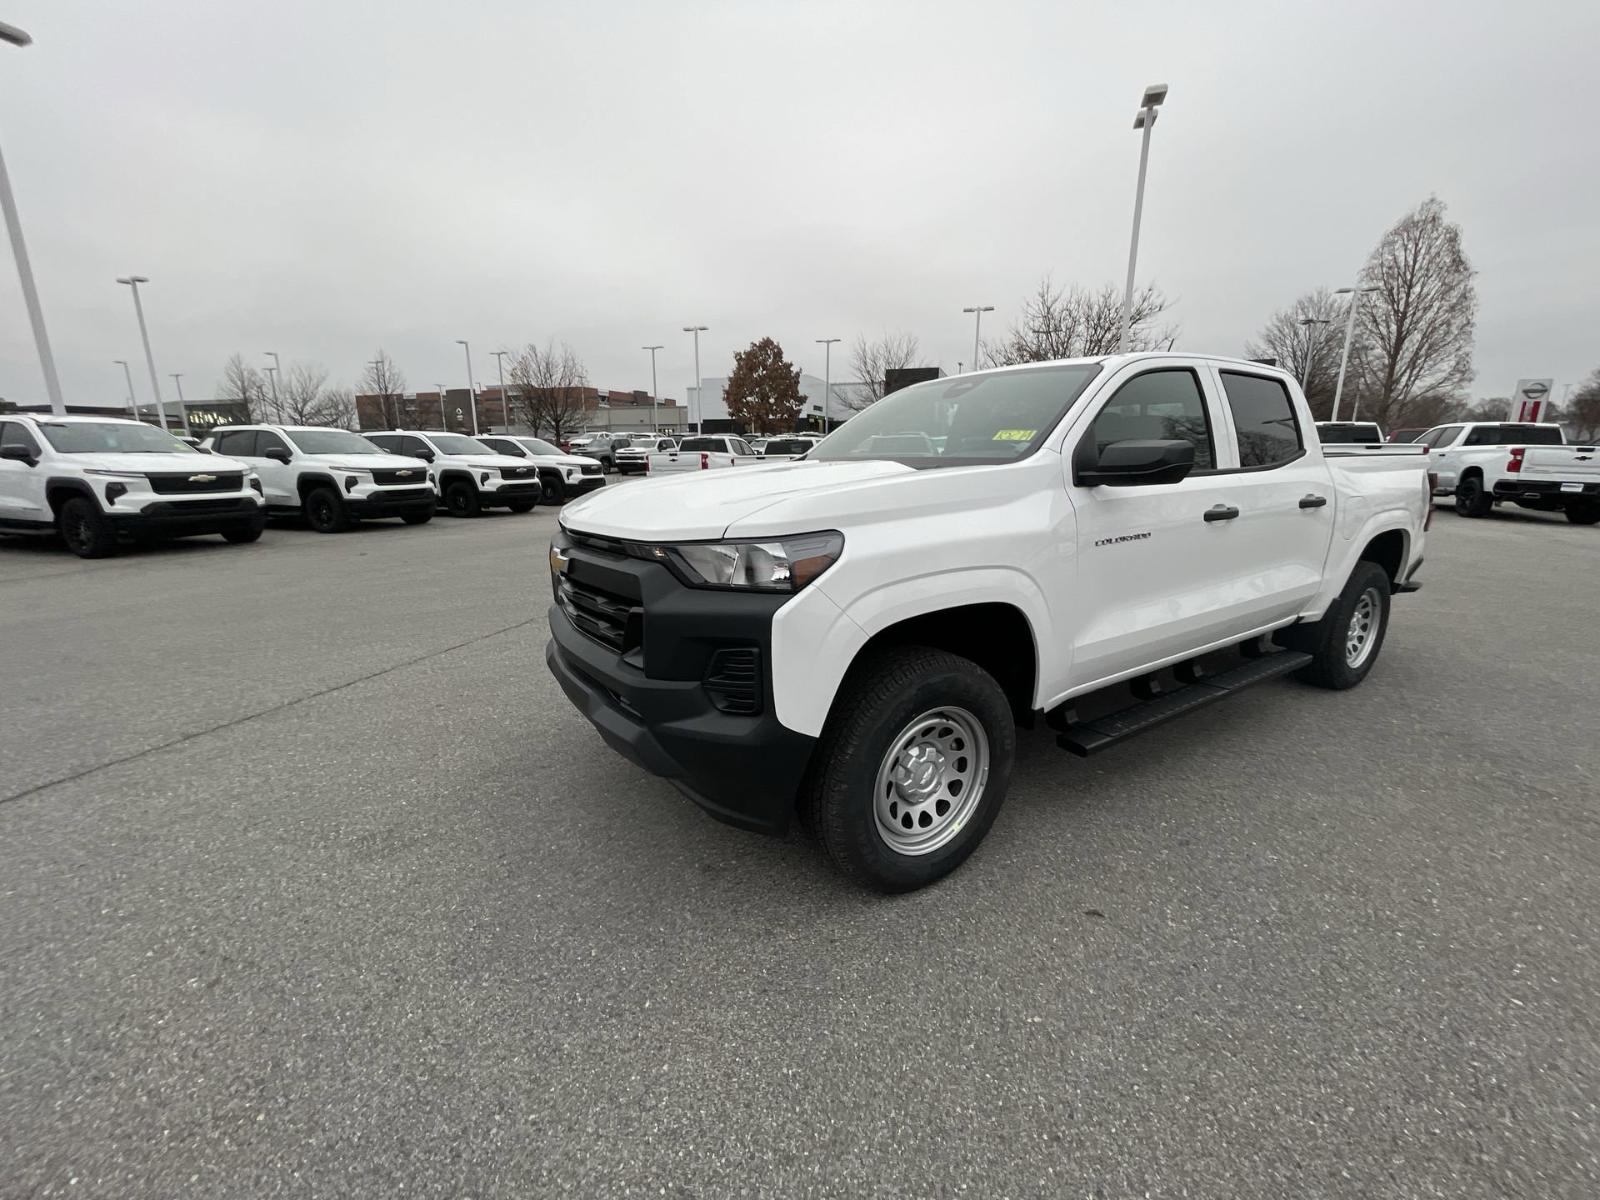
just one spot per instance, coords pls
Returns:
(1129, 464)
(17, 452)
(425, 455)
(276, 454)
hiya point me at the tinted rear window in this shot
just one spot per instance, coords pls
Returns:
(1344, 434)
(701, 444)
(1513, 435)
(1264, 419)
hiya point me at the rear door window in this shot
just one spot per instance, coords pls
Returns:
(1263, 419)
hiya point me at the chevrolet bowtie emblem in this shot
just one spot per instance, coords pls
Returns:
(558, 561)
(403, 471)
(202, 479)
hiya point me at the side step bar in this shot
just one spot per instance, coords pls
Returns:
(1090, 737)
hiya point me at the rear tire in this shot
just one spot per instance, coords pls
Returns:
(461, 499)
(85, 530)
(417, 518)
(912, 767)
(325, 511)
(1346, 642)
(521, 506)
(1584, 512)
(1471, 498)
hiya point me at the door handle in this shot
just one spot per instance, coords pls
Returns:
(1313, 501)
(1221, 512)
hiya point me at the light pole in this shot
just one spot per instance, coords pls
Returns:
(655, 417)
(977, 312)
(1146, 121)
(472, 388)
(505, 403)
(177, 382)
(19, 250)
(133, 282)
(1355, 294)
(827, 377)
(699, 403)
(1312, 339)
(128, 375)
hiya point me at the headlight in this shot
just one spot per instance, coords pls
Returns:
(781, 565)
(254, 483)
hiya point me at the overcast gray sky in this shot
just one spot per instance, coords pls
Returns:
(323, 179)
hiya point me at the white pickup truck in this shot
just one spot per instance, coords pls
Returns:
(1101, 543)
(703, 452)
(1484, 463)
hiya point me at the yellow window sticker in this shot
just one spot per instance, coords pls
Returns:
(1013, 435)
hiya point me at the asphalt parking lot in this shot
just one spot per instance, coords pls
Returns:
(314, 884)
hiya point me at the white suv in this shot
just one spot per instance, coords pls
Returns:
(561, 476)
(92, 479)
(332, 476)
(468, 474)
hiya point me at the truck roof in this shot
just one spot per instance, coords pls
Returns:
(1142, 355)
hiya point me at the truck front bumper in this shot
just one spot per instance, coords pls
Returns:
(743, 769)
(184, 518)
(393, 501)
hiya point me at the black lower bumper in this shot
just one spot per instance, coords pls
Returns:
(404, 503)
(177, 518)
(1543, 489)
(583, 485)
(512, 493)
(744, 770)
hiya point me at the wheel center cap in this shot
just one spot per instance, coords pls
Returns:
(919, 773)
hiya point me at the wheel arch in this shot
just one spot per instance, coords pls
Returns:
(995, 634)
(57, 491)
(309, 482)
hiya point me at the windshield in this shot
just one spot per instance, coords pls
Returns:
(454, 443)
(538, 446)
(331, 441)
(119, 437)
(977, 418)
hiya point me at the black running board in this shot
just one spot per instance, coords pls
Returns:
(1090, 737)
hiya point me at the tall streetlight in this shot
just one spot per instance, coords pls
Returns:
(655, 418)
(133, 282)
(699, 402)
(1312, 338)
(444, 421)
(1146, 121)
(977, 312)
(1355, 294)
(133, 403)
(274, 373)
(177, 382)
(472, 388)
(827, 376)
(19, 250)
(505, 404)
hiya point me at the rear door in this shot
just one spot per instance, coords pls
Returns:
(1154, 575)
(1284, 493)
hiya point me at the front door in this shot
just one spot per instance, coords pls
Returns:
(1151, 568)
(21, 486)
(277, 479)
(1443, 452)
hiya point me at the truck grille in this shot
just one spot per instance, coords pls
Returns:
(516, 472)
(200, 481)
(591, 468)
(611, 620)
(389, 476)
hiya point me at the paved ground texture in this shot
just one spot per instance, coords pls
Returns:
(312, 884)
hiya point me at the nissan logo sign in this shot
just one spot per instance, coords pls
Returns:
(1537, 390)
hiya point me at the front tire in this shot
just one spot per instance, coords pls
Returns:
(461, 499)
(325, 511)
(1584, 512)
(1346, 642)
(552, 491)
(85, 530)
(912, 768)
(1471, 498)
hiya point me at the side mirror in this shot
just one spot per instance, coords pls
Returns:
(17, 453)
(1127, 464)
(277, 454)
(425, 455)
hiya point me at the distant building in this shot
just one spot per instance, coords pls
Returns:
(203, 415)
(601, 409)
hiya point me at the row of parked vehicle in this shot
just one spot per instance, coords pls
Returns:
(1483, 463)
(99, 481)
(639, 454)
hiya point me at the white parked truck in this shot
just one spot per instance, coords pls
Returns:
(1102, 544)
(561, 476)
(469, 476)
(703, 452)
(1484, 463)
(96, 480)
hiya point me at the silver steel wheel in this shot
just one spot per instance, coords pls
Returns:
(931, 780)
(1362, 633)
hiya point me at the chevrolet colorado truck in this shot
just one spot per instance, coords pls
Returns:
(97, 480)
(1102, 544)
(1484, 463)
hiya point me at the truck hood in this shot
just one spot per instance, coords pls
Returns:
(158, 464)
(366, 462)
(704, 504)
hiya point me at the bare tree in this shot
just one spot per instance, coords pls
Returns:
(1583, 410)
(1417, 328)
(386, 381)
(870, 364)
(303, 396)
(339, 408)
(550, 388)
(1309, 352)
(1078, 323)
(243, 384)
